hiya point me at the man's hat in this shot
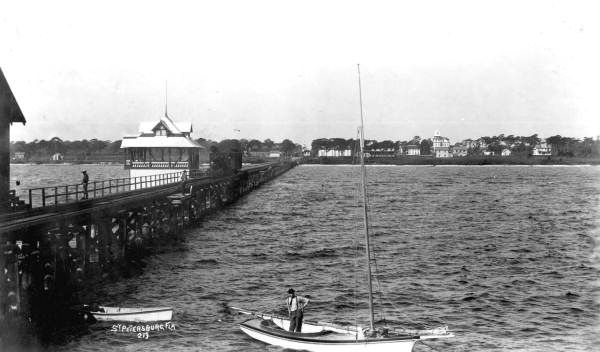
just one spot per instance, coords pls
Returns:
(83, 171)
(291, 291)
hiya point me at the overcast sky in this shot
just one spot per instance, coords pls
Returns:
(279, 69)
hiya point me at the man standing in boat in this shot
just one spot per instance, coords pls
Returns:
(295, 306)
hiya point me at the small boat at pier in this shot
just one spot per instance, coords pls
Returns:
(132, 314)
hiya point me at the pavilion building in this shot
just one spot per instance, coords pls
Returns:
(162, 147)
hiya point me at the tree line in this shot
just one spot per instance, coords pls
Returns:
(74, 150)
(559, 145)
(521, 145)
(247, 147)
(41, 150)
(94, 149)
(339, 144)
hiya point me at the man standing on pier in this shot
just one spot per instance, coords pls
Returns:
(184, 178)
(85, 181)
(295, 305)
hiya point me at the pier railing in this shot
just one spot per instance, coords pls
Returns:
(14, 203)
(52, 196)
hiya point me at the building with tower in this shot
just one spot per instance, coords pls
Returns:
(440, 146)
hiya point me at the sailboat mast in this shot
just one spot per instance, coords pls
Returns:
(365, 205)
(166, 114)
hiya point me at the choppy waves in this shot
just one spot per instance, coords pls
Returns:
(503, 255)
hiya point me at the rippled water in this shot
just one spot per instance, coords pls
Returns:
(503, 255)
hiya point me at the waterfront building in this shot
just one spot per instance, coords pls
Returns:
(542, 149)
(413, 149)
(18, 156)
(265, 155)
(382, 152)
(334, 153)
(441, 146)
(505, 152)
(459, 150)
(481, 144)
(162, 147)
(57, 157)
(469, 143)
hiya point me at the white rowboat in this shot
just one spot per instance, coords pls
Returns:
(133, 314)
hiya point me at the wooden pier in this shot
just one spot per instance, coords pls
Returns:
(59, 244)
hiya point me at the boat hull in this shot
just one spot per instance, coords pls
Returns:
(133, 314)
(331, 342)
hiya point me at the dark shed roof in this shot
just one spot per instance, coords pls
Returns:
(9, 108)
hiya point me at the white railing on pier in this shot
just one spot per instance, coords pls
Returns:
(52, 196)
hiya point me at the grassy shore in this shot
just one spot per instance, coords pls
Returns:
(467, 160)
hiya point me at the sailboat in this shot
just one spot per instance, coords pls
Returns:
(329, 337)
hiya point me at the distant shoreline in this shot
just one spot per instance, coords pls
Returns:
(402, 160)
(67, 163)
(469, 160)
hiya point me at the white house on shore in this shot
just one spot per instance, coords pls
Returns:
(19, 156)
(274, 154)
(413, 149)
(441, 146)
(469, 143)
(162, 147)
(459, 150)
(334, 152)
(481, 144)
(542, 149)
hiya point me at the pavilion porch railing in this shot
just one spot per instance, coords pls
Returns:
(156, 164)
